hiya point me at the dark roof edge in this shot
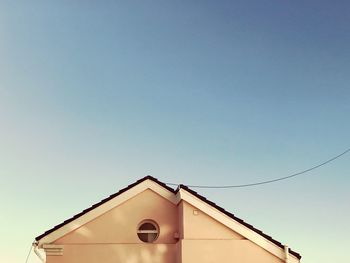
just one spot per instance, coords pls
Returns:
(222, 210)
(148, 177)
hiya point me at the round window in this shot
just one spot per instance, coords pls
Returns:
(148, 231)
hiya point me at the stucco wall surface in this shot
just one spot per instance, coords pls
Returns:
(224, 251)
(197, 224)
(116, 253)
(119, 225)
(112, 237)
(206, 240)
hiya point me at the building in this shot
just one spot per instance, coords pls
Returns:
(149, 222)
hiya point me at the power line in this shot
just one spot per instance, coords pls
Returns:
(30, 250)
(269, 181)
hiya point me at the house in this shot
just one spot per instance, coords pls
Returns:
(151, 222)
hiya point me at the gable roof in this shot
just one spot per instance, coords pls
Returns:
(181, 187)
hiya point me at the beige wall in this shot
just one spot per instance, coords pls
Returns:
(119, 225)
(225, 251)
(116, 253)
(198, 225)
(112, 238)
(206, 240)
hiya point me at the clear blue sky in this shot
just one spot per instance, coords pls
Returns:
(95, 95)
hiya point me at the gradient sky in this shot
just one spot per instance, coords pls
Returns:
(97, 94)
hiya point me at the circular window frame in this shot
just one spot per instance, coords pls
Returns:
(152, 222)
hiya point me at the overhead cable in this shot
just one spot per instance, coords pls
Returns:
(269, 181)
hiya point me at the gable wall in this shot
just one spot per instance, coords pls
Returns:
(112, 237)
(119, 225)
(116, 253)
(198, 225)
(206, 240)
(225, 251)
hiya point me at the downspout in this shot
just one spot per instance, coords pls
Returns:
(286, 254)
(36, 251)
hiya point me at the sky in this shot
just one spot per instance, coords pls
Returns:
(97, 94)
